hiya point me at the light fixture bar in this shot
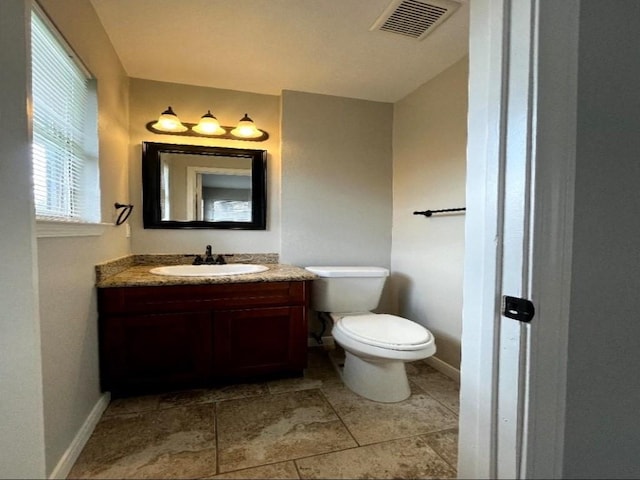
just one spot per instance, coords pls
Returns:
(191, 133)
(207, 127)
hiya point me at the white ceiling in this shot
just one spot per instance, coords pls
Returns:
(266, 46)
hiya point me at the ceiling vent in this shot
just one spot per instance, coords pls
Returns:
(414, 18)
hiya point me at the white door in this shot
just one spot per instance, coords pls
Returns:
(522, 85)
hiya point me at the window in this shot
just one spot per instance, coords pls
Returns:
(227, 210)
(65, 140)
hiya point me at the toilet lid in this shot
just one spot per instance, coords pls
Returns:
(386, 331)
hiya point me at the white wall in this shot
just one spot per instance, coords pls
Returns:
(336, 180)
(602, 430)
(70, 376)
(429, 163)
(21, 416)
(148, 99)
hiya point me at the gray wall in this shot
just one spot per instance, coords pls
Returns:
(336, 180)
(602, 432)
(429, 164)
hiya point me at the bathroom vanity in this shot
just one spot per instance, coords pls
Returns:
(166, 333)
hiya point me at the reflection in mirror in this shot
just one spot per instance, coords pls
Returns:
(205, 188)
(188, 186)
(221, 196)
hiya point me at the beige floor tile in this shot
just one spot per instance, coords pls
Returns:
(170, 443)
(264, 427)
(436, 384)
(445, 444)
(306, 382)
(276, 471)
(228, 392)
(260, 430)
(123, 406)
(371, 422)
(319, 375)
(409, 458)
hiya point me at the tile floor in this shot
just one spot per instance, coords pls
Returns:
(307, 427)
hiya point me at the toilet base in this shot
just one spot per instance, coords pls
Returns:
(381, 381)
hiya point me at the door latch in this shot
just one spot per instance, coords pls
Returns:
(519, 309)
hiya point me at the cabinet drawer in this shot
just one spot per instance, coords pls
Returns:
(201, 297)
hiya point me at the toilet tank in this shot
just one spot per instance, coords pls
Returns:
(347, 289)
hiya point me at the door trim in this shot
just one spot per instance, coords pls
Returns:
(477, 452)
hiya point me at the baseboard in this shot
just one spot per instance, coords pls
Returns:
(444, 368)
(72, 453)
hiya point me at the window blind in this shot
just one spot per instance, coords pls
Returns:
(60, 96)
(228, 211)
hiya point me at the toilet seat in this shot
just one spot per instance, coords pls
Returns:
(385, 331)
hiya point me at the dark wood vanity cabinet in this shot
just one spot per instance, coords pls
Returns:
(185, 336)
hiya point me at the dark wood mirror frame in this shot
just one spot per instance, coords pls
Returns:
(151, 170)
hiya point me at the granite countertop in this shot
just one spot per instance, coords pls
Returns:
(133, 271)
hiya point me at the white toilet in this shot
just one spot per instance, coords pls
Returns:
(376, 345)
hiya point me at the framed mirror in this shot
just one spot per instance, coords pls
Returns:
(192, 186)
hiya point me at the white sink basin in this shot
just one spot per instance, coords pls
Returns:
(208, 270)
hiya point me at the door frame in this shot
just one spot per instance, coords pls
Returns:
(550, 78)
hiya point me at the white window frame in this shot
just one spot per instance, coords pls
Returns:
(88, 224)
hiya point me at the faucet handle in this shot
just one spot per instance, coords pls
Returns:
(198, 260)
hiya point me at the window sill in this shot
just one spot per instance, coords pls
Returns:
(51, 228)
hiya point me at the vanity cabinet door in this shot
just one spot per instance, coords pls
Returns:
(259, 341)
(141, 352)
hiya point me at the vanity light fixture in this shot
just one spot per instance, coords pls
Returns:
(208, 126)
